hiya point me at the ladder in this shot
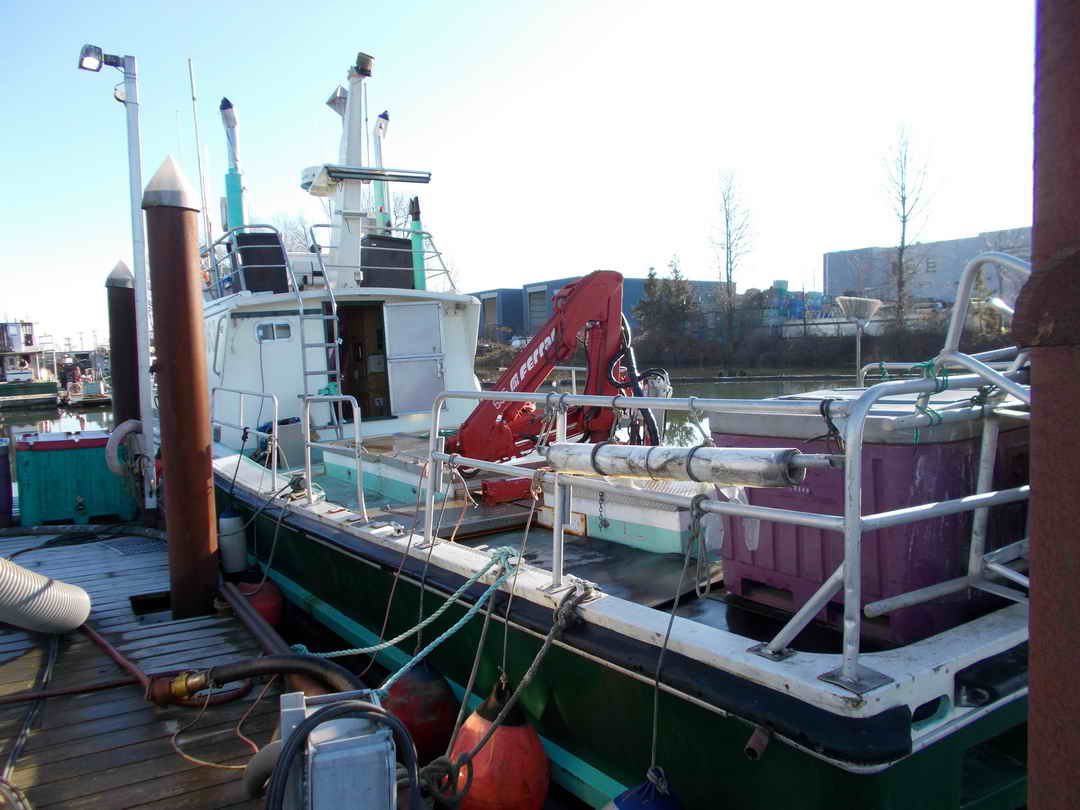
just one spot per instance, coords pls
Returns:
(331, 351)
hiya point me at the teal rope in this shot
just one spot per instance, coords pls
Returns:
(941, 383)
(500, 557)
(472, 611)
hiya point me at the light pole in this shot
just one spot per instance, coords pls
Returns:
(91, 58)
(860, 310)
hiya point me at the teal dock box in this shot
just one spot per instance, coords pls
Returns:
(63, 478)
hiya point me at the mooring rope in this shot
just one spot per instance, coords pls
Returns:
(500, 557)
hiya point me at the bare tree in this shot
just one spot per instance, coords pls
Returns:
(906, 186)
(294, 231)
(730, 244)
(399, 212)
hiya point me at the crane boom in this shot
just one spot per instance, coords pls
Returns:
(588, 310)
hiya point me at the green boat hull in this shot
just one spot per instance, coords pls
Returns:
(600, 718)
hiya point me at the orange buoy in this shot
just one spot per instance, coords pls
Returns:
(512, 771)
(424, 702)
(266, 599)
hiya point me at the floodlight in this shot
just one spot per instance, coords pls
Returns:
(861, 309)
(90, 58)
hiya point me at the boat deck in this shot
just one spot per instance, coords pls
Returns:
(111, 748)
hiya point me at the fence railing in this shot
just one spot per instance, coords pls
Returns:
(331, 447)
(852, 524)
(428, 252)
(241, 422)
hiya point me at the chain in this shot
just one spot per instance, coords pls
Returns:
(604, 522)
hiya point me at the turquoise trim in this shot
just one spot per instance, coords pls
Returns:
(379, 486)
(635, 535)
(234, 198)
(416, 237)
(592, 786)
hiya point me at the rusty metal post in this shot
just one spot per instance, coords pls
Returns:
(123, 344)
(1048, 321)
(184, 411)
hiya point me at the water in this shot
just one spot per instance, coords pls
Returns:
(15, 421)
(681, 430)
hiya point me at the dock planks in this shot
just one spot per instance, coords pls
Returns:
(111, 748)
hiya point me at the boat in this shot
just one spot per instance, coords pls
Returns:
(871, 641)
(24, 381)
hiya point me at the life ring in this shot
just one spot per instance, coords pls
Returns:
(112, 448)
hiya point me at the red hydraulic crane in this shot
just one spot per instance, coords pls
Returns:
(587, 312)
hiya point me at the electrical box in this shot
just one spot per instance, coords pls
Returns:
(63, 478)
(348, 762)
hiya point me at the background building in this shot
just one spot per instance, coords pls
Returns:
(935, 267)
(521, 311)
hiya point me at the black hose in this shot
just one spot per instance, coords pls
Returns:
(635, 386)
(333, 675)
(275, 797)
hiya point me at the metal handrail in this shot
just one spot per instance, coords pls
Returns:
(860, 381)
(573, 375)
(228, 239)
(361, 505)
(963, 291)
(852, 524)
(317, 248)
(272, 436)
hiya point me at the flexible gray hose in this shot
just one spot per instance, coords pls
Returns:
(40, 604)
(259, 769)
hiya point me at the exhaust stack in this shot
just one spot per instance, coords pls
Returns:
(232, 213)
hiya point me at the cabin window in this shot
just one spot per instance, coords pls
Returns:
(267, 332)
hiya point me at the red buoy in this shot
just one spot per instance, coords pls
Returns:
(266, 599)
(424, 702)
(512, 771)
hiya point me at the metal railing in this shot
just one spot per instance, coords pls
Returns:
(902, 366)
(225, 258)
(852, 524)
(950, 355)
(241, 422)
(573, 375)
(330, 447)
(429, 252)
(227, 254)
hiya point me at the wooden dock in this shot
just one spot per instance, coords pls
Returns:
(111, 748)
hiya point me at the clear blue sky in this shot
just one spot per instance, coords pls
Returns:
(563, 137)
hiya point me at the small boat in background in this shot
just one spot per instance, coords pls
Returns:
(24, 380)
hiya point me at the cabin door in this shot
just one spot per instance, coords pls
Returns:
(414, 355)
(363, 358)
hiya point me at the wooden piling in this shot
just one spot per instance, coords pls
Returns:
(123, 345)
(1048, 322)
(172, 230)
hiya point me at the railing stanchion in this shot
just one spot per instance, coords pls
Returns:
(307, 449)
(557, 532)
(271, 436)
(984, 483)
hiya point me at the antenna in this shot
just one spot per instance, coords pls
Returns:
(198, 158)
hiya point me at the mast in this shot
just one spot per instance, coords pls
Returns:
(350, 206)
(382, 199)
(207, 236)
(234, 185)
